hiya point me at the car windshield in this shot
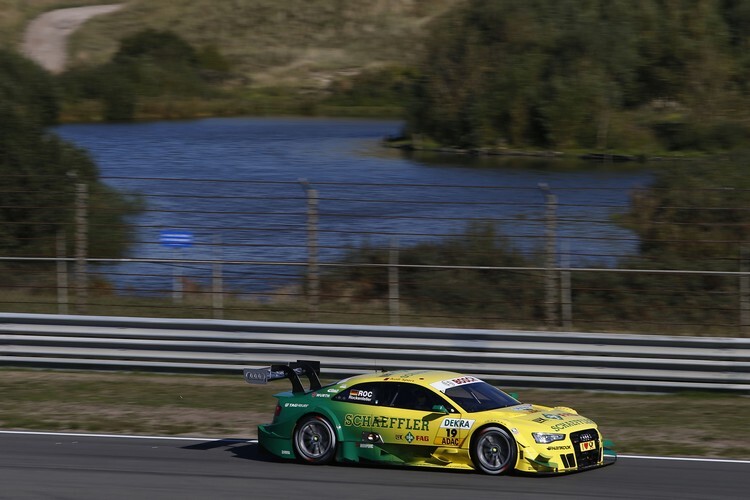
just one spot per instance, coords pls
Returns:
(480, 396)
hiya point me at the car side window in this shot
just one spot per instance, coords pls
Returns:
(416, 397)
(372, 393)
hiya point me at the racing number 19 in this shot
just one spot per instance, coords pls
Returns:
(451, 432)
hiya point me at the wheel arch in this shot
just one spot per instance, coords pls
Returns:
(502, 425)
(328, 415)
(301, 450)
(485, 425)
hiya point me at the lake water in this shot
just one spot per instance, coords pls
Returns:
(234, 183)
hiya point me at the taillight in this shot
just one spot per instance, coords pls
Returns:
(277, 411)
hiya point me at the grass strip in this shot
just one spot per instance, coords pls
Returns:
(222, 406)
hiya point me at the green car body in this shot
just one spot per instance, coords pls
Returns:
(424, 418)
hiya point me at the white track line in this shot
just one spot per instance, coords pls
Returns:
(237, 440)
(688, 459)
(128, 436)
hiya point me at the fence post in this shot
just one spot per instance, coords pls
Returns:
(550, 277)
(566, 295)
(177, 281)
(62, 272)
(393, 284)
(217, 284)
(313, 273)
(744, 291)
(81, 272)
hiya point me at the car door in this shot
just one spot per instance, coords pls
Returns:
(359, 412)
(420, 416)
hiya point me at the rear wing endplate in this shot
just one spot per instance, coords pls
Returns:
(292, 371)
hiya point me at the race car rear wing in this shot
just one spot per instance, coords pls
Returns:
(292, 371)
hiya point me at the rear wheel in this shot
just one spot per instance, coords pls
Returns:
(315, 440)
(494, 451)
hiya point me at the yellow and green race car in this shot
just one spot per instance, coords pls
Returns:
(423, 418)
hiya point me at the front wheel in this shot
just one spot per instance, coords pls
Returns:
(494, 451)
(315, 440)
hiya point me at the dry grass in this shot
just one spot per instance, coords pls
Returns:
(296, 43)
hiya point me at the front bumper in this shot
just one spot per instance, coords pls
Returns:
(567, 456)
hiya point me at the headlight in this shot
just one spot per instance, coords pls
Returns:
(546, 438)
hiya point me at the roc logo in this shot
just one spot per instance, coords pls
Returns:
(360, 395)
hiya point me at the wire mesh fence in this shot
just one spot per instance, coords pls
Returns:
(547, 257)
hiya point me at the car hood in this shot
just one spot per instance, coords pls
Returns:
(546, 418)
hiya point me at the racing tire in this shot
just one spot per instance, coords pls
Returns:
(315, 440)
(494, 451)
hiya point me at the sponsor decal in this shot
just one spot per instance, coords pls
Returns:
(540, 420)
(588, 445)
(552, 416)
(366, 445)
(451, 426)
(360, 395)
(448, 441)
(523, 407)
(572, 423)
(456, 423)
(565, 447)
(514, 430)
(372, 421)
(334, 390)
(443, 385)
(323, 395)
(286, 452)
(410, 438)
(460, 381)
(296, 405)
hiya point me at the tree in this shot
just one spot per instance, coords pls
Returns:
(560, 73)
(30, 89)
(697, 217)
(158, 63)
(39, 171)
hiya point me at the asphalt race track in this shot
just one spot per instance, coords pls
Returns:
(65, 466)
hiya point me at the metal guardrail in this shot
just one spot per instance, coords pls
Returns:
(511, 358)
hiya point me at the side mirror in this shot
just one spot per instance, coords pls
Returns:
(440, 409)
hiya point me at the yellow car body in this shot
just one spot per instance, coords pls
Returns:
(431, 418)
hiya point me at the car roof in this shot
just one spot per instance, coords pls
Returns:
(421, 377)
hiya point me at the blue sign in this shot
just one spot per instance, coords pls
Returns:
(176, 239)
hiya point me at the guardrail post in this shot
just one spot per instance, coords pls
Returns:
(81, 272)
(393, 284)
(550, 277)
